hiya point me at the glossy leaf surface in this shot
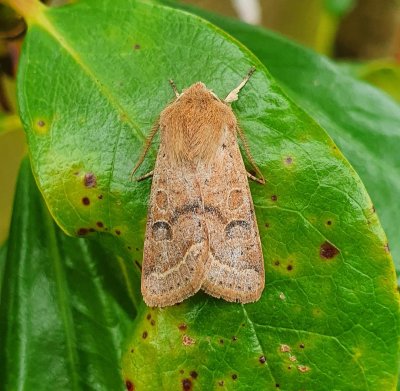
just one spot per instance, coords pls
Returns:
(328, 317)
(65, 304)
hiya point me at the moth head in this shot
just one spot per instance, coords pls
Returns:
(198, 92)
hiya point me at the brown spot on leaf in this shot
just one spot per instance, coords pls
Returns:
(329, 222)
(194, 374)
(274, 197)
(118, 232)
(100, 196)
(85, 201)
(129, 385)
(266, 225)
(152, 322)
(132, 350)
(145, 334)
(221, 383)
(303, 368)
(187, 341)
(41, 123)
(276, 263)
(136, 46)
(262, 359)
(328, 250)
(289, 267)
(387, 248)
(181, 371)
(277, 385)
(148, 317)
(221, 341)
(234, 338)
(285, 348)
(302, 346)
(187, 384)
(182, 327)
(373, 209)
(100, 224)
(288, 160)
(234, 376)
(89, 179)
(82, 231)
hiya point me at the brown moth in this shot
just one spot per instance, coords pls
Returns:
(201, 228)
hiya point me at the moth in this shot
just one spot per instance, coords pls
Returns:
(201, 230)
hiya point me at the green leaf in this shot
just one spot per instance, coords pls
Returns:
(9, 123)
(65, 304)
(383, 74)
(363, 121)
(3, 257)
(339, 8)
(328, 318)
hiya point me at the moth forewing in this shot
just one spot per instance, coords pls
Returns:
(236, 268)
(176, 239)
(201, 230)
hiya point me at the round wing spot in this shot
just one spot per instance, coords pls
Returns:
(235, 199)
(162, 200)
(161, 231)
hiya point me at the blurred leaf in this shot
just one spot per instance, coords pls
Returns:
(65, 304)
(12, 149)
(383, 74)
(362, 120)
(9, 123)
(339, 8)
(3, 257)
(328, 318)
(11, 24)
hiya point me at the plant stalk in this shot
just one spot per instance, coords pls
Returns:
(29, 9)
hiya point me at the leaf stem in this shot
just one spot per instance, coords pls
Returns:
(29, 9)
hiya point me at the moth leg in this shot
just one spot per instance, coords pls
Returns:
(254, 178)
(233, 95)
(260, 178)
(174, 88)
(148, 175)
(153, 132)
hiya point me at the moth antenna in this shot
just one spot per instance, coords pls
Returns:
(246, 148)
(153, 132)
(233, 95)
(174, 88)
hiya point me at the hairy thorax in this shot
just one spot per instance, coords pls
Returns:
(195, 123)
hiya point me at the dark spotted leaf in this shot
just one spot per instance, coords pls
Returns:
(328, 318)
(363, 121)
(65, 304)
